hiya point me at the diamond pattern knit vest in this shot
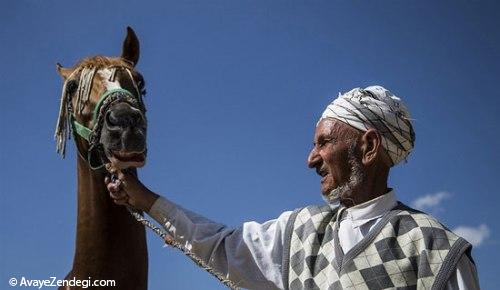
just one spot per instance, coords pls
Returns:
(407, 249)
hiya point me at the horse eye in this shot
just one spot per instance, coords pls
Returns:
(71, 87)
(141, 85)
(140, 80)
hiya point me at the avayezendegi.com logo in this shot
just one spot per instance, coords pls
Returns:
(54, 282)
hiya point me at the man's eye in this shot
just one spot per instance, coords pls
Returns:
(319, 145)
(322, 143)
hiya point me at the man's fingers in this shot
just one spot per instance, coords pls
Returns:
(111, 187)
(117, 186)
(121, 175)
(118, 194)
(114, 187)
(119, 197)
(126, 174)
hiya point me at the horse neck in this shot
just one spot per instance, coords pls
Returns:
(110, 243)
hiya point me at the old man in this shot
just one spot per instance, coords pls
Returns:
(362, 238)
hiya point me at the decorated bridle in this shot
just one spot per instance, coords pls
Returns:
(67, 123)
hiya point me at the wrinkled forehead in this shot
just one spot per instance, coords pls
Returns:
(327, 127)
(333, 128)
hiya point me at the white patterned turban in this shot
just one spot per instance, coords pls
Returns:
(376, 108)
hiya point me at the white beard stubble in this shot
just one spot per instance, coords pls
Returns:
(355, 179)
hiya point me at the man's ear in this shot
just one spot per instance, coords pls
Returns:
(131, 49)
(370, 145)
(63, 72)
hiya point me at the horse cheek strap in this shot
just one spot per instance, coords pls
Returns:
(95, 158)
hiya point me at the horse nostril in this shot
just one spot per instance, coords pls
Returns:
(111, 120)
(123, 115)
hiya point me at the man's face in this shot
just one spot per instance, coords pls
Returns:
(329, 155)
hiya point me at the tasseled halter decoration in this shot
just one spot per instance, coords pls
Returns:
(84, 87)
(63, 128)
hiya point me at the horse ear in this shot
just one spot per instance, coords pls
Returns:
(63, 72)
(130, 51)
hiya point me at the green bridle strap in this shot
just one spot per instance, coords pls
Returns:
(85, 132)
(104, 96)
(81, 130)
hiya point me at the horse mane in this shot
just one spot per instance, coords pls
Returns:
(100, 61)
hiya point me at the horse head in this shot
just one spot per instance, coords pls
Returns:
(102, 107)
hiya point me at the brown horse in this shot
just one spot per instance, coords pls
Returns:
(101, 106)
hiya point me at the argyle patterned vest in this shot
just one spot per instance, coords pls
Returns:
(407, 249)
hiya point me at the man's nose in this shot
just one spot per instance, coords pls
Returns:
(313, 159)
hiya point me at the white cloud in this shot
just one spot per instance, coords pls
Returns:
(430, 201)
(474, 235)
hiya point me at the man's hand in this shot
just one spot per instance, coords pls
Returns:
(128, 190)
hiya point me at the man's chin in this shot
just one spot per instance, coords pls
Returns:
(331, 196)
(326, 189)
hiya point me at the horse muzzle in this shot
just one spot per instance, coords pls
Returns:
(123, 136)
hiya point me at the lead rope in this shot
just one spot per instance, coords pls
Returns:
(173, 243)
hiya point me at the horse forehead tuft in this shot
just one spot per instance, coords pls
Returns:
(100, 61)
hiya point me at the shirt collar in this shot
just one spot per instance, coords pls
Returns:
(363, 213)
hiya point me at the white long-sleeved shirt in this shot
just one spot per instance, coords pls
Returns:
(252, 254)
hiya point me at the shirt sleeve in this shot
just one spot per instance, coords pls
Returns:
(464, 277)
(250, 255)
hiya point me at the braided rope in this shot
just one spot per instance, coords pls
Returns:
(173, 243)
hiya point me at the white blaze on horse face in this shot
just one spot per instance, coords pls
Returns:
(105, 73)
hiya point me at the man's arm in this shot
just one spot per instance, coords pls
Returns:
(251, 255)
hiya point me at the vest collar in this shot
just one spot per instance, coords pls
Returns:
(370, 210)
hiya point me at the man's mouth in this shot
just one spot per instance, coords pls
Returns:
(323, 173)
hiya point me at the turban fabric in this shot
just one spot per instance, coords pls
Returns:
(376, 108)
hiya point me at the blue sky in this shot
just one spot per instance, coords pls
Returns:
(234, 92)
